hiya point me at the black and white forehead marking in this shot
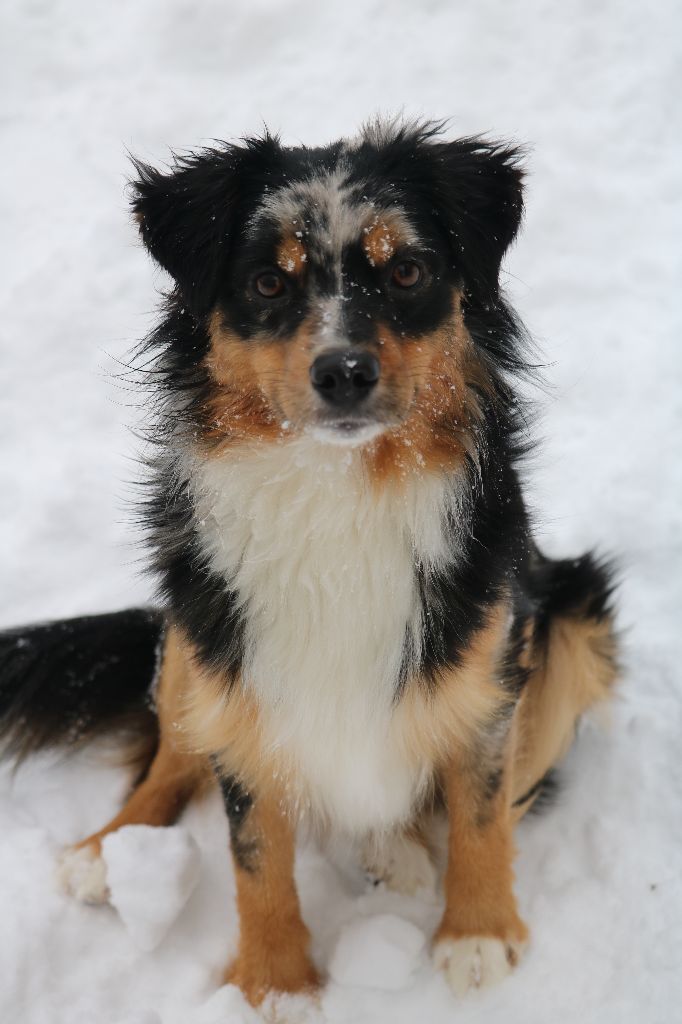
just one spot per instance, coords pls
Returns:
(336, 221)
(328, 212)
(337, 237)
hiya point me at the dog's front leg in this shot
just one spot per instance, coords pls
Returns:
(273, 940)
(481, 935)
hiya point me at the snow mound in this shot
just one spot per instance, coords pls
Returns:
(380, 952)
(227, 1004)
(151, 873)
(83, 874)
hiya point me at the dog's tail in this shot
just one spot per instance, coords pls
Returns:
(575, 628)
(65, 683)
(572, 588)
(574, 662)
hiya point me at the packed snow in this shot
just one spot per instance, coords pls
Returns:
(150, 873)
(594, 90)
(395, 945)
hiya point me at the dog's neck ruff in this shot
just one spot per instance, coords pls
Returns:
(325, 568)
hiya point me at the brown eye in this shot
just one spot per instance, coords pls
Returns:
(269, 285)
(406, 274)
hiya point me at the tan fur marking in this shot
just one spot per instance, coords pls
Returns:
(291, 255)
(443, 375)
(263, 388)
(381, 239)
(229, 725)
(479, 879)
(575, 672)
(464, 700)
(273, 940)
(239, 409)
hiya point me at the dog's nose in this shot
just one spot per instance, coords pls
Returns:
(344, 377)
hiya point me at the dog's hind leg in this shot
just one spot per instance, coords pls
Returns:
(173, 778)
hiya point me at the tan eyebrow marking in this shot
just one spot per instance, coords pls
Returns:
(291, 255)
(381, 240)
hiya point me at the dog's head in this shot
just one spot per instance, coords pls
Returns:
(331, 288)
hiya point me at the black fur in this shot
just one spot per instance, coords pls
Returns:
(198, 600)
(571, 586)
(189, 217)
(238, 803)
(543, 794)
(64, 683)
(493, 558)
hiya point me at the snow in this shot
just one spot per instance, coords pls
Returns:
(594, 89)
(151, 873)
(380, 952)
(82, 873)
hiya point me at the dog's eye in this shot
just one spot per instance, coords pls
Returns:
(270, 285)
(406, 274)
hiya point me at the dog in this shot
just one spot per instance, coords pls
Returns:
(357, 629)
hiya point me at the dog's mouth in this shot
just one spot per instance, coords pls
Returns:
(350, 430)
(354, 427)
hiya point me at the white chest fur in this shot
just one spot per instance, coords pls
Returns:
(323, 566)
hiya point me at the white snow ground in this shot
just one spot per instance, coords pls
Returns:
(595, 88)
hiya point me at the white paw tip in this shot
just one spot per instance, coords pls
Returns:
(414, 872)
(280, 1008)
(83, 874)
(475, 961)
(404, 866)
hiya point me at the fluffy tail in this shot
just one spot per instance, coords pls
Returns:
(574, 662)
(573, 588)
(65, 683)
(575, 629)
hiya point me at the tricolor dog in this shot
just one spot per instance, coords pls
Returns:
(357, 631)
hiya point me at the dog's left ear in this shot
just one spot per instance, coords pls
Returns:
(480, 194)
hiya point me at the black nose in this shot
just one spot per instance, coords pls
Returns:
(344, 377)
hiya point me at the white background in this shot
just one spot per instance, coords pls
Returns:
(595, 89)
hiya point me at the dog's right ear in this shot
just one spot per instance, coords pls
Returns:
(187, 213)
(184, 216)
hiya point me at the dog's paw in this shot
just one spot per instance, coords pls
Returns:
(289, 974)
(288, 1009)
(476, 961)
(403, 863)
(82, 873)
